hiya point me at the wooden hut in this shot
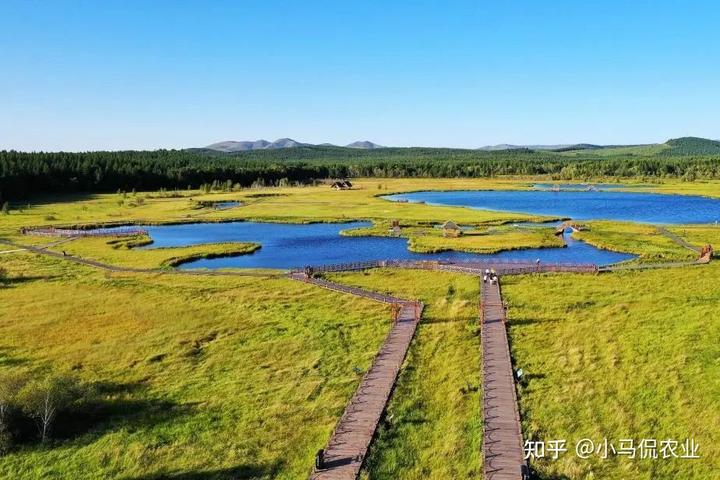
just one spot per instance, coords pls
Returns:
(706, 254)
(451, 229)
(395, 229)
(341, 185)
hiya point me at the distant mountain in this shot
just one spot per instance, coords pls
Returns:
(238, 146)
(232, 146)
(557, 148)
(364, 144)
(244, 146)
(286, 143)
(675, 146)
(507, 146)
(693, 146)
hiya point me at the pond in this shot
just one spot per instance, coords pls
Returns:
(579, 205)
(291, 245)
(227, 204)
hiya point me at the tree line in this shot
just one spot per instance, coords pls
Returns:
(24, 174)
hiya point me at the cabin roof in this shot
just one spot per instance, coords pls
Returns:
(450, 225)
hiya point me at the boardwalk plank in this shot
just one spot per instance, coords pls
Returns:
(349, 442)
(502, 438)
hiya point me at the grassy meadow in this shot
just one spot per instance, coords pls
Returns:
(433, 427)
(201, 376)
(492, 231)
(122, 252)
(623, 355)
(643, 240)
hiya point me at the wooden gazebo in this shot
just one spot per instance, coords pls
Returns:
(451, 229)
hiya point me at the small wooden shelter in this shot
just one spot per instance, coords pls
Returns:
(341, 185)
(451, 229)
(706, 253)
(395, 229)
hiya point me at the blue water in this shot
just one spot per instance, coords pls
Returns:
(630, 206)
(290, 245)
(226, 205)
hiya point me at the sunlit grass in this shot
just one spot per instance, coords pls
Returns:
(233, 375)
(433, 427)
(624, 355)
(639, 239)
(247, 377)
(117, 252)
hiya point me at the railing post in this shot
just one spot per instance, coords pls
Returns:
(320, 459)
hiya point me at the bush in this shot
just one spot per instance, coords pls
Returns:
(10, 385)
(43, 399)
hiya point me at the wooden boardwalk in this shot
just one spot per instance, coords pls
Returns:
(473, 267)
(349, 442)
(502, 436)
(120, 269)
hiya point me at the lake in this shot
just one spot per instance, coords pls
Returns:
(291, 245)
(609, 205)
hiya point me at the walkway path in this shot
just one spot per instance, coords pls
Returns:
(502, 439)
(678, 239)
(117, 268)
(472, 266)
(349, 442)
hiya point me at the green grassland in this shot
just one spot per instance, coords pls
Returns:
(433, 428)
(486, 239)
(640, 239)
(245, 377)
(699, 234)
(121, 252)
(241, 377)
(624, 355)
(321, 204)
(294, 205)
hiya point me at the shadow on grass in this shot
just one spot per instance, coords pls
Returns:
(9, 282)
(441, 320)
(109, 408)
(518, 322)
(8, 360)
(104, 408)
(240, 472)
(536, 476)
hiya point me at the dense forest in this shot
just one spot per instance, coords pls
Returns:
(24, 174)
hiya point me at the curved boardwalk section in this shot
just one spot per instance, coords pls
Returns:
(502, 438)
(120, 269)
(345, 452)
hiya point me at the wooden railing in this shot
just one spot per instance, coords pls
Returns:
(67, 232)
(469, 266)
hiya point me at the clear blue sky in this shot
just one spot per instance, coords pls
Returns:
(88, 75)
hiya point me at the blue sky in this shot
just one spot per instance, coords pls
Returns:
(89, 75)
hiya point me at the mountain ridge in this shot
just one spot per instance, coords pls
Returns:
(681, 146)
(231, 146)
